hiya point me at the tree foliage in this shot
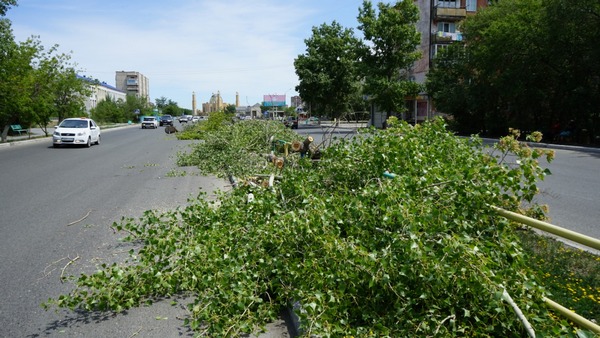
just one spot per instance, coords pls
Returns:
(391, 41)
(35, 83)
(353, 250)
(5, 5)
(328, 70)
(108, 110)
(339, 70)
(14, 69)
(168, 106)
(119, 111)
(529, 64)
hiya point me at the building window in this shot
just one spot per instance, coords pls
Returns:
(448, 3)
(439, 47)
(447, 27)
(471, 5)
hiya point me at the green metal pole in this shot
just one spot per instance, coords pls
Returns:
(575, 318)
(553, 229)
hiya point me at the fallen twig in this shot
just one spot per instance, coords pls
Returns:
(136, 332)
(62, 271)
(81, 219)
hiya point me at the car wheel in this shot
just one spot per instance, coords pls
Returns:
(98, 140)
(89, 142)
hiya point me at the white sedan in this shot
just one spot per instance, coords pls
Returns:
(81, 131)
(149, 122)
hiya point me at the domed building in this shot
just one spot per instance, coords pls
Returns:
(214, 104)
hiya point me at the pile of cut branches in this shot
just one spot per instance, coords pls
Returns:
(414, 252)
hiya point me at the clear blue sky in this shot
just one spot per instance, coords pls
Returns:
(185, 46)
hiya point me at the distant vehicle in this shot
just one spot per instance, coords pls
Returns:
(313, 120)
(291, 122)
(166, 120)
(183, 119)
(195, 119)
(149, 122)
(82, 131)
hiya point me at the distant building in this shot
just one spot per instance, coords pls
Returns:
(214, 104)
(101, 91)
(134, 83)
(249, 112)
(296, 102)
(438, 25)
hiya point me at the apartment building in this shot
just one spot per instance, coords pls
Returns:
(100, 91)
(133, 83)
(439, 26)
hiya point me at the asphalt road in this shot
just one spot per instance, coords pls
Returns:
(56, 211)
(572, 191)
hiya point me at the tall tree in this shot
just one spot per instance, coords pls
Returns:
(161, 102)
(70, 93)
(109, 110)
(327, 70)
(5, 5)
(171, 108)
(135, 106)
(15, 67)
(528, 64)
(55, 89)
(390, 47)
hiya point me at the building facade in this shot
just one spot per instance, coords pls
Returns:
(439, 26)
(101, 91)
(134, 83)
(214, 104)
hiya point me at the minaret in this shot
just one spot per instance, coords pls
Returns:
(193, 103)
(237, 99)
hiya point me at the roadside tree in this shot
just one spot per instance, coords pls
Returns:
(529, 64)
(14, 66)
(327, 70)
(388, 51)
(109, 110)
(5, 5)
(135, 104)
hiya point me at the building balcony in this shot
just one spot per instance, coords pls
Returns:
(450, 13)
(443, 37)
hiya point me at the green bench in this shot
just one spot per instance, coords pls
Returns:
(16, 128)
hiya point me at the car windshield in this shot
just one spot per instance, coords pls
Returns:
(148, 118)
(74, 124)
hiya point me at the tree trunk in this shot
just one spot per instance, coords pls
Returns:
(5, 133)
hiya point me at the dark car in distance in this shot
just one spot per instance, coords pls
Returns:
(166, 120)
(291, 122)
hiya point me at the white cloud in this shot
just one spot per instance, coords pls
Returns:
(183, 45)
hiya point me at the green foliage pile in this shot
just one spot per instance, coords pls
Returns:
(215, 121)
(229, 148)
(360, 254)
